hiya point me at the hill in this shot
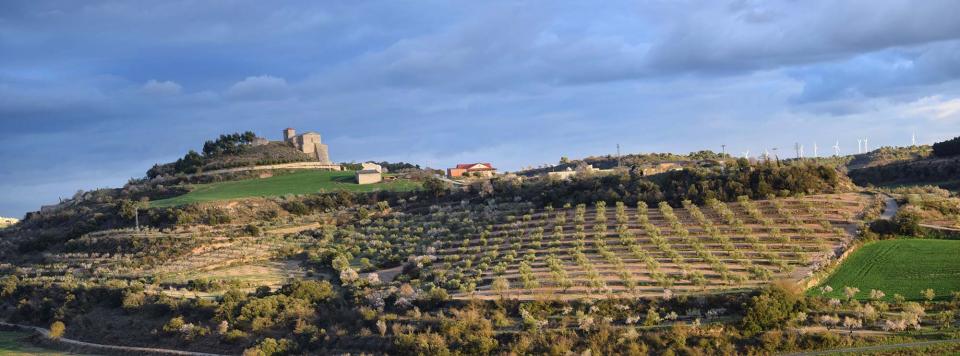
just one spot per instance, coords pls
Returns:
(889, 155)
(943, 172)
(244, 156)
(527, 265)
(629, 160)
(302, 182)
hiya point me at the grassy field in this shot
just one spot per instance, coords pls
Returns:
(305, 182)
(902, 267)
(12, 344)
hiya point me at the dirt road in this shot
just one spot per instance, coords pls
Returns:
(113, 348)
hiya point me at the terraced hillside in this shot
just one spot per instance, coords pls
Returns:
(511, 250)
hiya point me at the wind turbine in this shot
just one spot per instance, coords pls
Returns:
(816, 154)
(801, 151)
(913, 138)
(866, 145)
(746, 155)
(859, 144)
(836, 148)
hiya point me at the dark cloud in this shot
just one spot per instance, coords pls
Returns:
(93, 93)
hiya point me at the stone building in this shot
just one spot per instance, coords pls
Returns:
(309, 143)
(369, 176)
(370, 166)
(472, 170)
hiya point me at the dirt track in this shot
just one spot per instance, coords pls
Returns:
(109, 348)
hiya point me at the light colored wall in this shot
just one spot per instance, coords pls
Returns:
(369, 166)
(368, 178)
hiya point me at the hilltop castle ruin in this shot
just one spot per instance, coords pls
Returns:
(309, 143)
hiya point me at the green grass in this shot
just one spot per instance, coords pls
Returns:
(904, 266)
(12, 343)
(303, 182)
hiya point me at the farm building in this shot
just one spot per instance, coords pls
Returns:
(472, 169)
(369, 176)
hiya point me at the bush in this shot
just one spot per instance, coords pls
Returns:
(234, 336)
(253, 230)
(271, 347)
(57, 329)
(772, 309)
(312, 291)
(297, 208)
(908, 223)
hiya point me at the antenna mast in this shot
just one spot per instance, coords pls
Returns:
(619, 165)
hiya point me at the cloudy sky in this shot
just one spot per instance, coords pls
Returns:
(93, 93)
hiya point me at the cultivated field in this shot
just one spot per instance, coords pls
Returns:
(902, 267)
(512, 250)
(305, 182)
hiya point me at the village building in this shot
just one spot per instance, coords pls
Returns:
(368, 176)
(309, 143)
(260, 141)
(472, 170)
(370, 166)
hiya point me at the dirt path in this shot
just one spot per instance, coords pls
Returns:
(125, 349)
(294, 229)
(890, 210)
(875, 348)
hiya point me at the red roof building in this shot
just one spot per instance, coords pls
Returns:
(472, 169)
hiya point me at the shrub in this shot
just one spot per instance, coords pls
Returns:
(57, 329)
(253, 230)
(271, 347)
(772, 309)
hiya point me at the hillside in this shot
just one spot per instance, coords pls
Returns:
(889, 155)
(246, 156)
(290, 259)
(628, 160)
(943, 172)
(303, 182)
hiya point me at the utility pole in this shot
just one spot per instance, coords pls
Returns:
(619, 163)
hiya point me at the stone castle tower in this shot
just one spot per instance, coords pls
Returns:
(309, 143)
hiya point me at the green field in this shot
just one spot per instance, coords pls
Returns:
(303, 182)
(903, 267)
(12, 343)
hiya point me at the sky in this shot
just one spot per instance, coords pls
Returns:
(93, 93)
